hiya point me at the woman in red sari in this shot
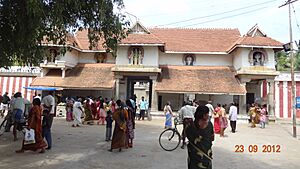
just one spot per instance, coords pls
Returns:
(216, 116)
(35, 123)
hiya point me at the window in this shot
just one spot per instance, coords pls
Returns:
(135, 55)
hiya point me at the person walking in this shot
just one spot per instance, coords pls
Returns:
(223, 120)
(120, 117)
(216, 115)
(18, 108)
(186, 114)
(169, 114)
(210, 108)
(35, 123)
(109, 121)
(4, 104)
(201, 135)
(263, 116)
(130, 124)
(48, 104)
(233, 117)
(77, 111)
(143, 108)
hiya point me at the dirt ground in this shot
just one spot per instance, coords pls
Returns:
(85, 148)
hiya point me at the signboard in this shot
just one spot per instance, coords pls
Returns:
(298, 102)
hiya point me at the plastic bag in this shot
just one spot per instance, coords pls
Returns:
(29, 137)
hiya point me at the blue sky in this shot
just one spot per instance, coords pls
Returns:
(239, 14)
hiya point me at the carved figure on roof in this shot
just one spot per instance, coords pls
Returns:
(189, 60)
(258, 57)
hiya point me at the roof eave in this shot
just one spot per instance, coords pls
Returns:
(254, 46)
(213, 53)
(141, 44)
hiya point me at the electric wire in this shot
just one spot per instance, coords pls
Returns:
(226, 17)
(297, 23)
(216, 14)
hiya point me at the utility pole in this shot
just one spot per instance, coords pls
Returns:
(289, 2)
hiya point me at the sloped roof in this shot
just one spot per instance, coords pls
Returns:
(258, 41)
(199, 79)
(83, 76)
(196, 40)
(83, 41)
(144, 38)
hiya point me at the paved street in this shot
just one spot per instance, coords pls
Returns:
(85, 148)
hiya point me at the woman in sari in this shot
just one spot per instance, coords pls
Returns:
(69, 109)
(35, 123)
(223, 121)
(200, 134)
(216, 116)
(88, 112)
(130, 124)
(168, 113)
(120, 116)
(102, 112)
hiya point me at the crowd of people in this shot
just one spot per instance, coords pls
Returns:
(39, 115)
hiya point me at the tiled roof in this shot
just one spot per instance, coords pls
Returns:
(182, 39)
(83, 41)
(141, 39)
(83, 76)
(198, 79)
(196, 40)
(258, 41)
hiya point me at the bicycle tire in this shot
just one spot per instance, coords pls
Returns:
(169, 139)
(2, 126)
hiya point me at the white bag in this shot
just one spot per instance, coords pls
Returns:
(29, 137)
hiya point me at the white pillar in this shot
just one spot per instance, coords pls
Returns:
(271, 105)
(63, 74)
(117, 94)
(242, 102)
(154, 105)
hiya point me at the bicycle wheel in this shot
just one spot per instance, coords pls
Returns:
(169, 139)
(2, 127)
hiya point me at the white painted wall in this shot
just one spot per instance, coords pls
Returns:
(201, 60)
(71, 57)
(87, 58)
(150, 56)
(241, 58)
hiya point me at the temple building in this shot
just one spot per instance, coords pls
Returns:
(175, 64)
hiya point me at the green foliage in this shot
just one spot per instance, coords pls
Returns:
(284, 62)
(24, 24)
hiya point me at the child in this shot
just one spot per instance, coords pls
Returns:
(109, 121)
(263, 116)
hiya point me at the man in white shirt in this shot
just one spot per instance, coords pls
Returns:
(210, 108)
(233, 117)
(48, 103)
(186, 114)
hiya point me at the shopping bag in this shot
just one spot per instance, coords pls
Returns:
(29, 137)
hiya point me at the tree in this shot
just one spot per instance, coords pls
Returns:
(284, 62)
(24, 24)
